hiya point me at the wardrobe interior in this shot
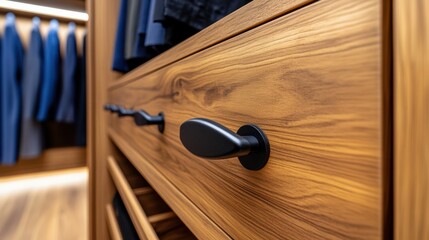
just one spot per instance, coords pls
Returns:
(117, 119)
(44, 181)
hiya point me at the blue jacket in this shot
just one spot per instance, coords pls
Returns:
(51, 77)
(31, 143)
(119, 62)
(140, 50)
(12, 55)
(155, 32)
(66, 107)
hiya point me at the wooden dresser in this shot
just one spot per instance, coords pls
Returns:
(315, 76)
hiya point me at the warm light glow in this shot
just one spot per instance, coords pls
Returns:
(44, 181)
(37, 9)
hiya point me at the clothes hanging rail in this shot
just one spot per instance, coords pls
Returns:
(43, 11)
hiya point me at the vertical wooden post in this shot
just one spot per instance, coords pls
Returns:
(411, 117)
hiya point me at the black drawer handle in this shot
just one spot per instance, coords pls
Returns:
(142, 118)
(208, 139)
(123, 112)
(111, 108)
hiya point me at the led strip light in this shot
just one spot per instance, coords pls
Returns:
(42, 10)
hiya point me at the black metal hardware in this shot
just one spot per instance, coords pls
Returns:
(123, 112)
(112, 108)
(142, 118)
(208, 139)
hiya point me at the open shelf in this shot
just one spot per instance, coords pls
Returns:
(151, 216)
(114, 229)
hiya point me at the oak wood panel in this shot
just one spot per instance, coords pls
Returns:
(411, 49)
(135, 210)
(103, 18)
(197, 222)
(249, 16)
(51, 159)
(90, 133)
(312, 80)
(115, 232)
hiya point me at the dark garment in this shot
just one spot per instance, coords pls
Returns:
(176, 31)
(124, 221)
(155, 32)
(158, 15)
(49, 89)
(66, 107)
(200, 14)
(10, 91)
(140, 51)
(31, 143)
(119, 62)
(81, 100)
(131, 28)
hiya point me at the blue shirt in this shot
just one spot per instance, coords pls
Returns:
(140, 50)
(66, 107)
(12, 55)
(31, 144)
(51, 77)
(119, 61)
(155, 32)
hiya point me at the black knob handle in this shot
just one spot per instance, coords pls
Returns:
(112, 108)
(123, 112)
(142, 118)
(208, 139)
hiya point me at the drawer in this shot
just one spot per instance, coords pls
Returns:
(313, 81)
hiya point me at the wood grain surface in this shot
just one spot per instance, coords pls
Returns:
(249, 16)
(137, 214)
(48, 206)
(411, 49)
(90, 111)
(112, 222)
(101, 36)
(312, 80)
(51, 159)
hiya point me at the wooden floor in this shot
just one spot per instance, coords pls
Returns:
(44, 206)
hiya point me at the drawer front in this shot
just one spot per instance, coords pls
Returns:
(312, 80)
